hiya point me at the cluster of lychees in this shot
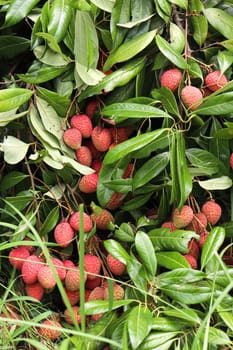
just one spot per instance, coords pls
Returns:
(90, 143)
(192, 96)
(200, 222)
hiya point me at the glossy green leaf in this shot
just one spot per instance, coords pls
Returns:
(135, 143)
(13, 98)
(137, 274)
(129, 49)
(226, 315)
(139, 324)
(181, 3)
(171, 54)
(225, 60)
(186, 314)
(217, 105)
(18, 10)
(158, 341)
(220, 20)
(42, 74)
(116, 250)
(8, 147)
(98, 306)
(181, 275)
(120, 14)
(146, 252)
(219, 183)
(11, 179)
(106, 5)
(178, 240)
(59, 19)
(171, 260)
(50, 221)
(199, 22)
(49, 57)
(150, 169)
(203, 159)
(11, 45)
(218, 337)
(177, 39)
(212, 244)
(167, 324)
(125, 233)
(168, 100)
(58, 102)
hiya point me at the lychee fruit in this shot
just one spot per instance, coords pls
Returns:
(75, 222)
(231, 161)
(48, 333)
(96, 154)
(88, 183)
(170, 225)
(46, 277)
(68, 264)
(63, 234)
(103, 219)
(171, 79)
(191, 260)
(116, 200)
(30, 269)
(72, 137)
(35, 290)
(84, 156)
(101, 138)
(95, 282)
(194, 249)
(91, 108)
(73, 296)
(191, 97)
(215, 80)
(17, 256)
(83, 123)
(96, 165)
(212, 211)
(96, 294)
(203, 236)
(181, 218)
(60, 268)
(115, 266)
(92, 266)
(75, 312)
(198, 223)
(119, 134)
(72, 279)
(118, 292)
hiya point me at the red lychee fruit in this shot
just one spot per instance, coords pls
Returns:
(17, 257)
(83, 123)
(103, 219)
(128, 171)
(72, 138)
(88, 183)
(95, 282)
(52, 334)
(92, 266)
(87, 293)
(84, 156)
(75, 222)
(97, 294)
(95, 153)
(215, 80)
(170, 225)
(171, 79)
(198, 223)
(68, 264)
(191, 260)
(91, 108)
(212, 211)
(118, 292)
(115, 266)
(96, 165)
(73, 296)
(119, 134)
(181, 218)
(60, 268)
(231, 161)
(203, 236)
(194, 249)
(101, 138)
(191, 97)
(75, 312)
(46, 277)
(63, 234)
(115, 201)
(72, 280)
(30, 269)
(35, 290)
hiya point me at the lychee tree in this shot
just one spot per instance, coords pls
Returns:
(116, 174)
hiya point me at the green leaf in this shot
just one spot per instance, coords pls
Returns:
(139, 324)
(146, 252)
(225, 60)
(58, 102)
(129, 49)
(106, 5)
(219, 183)
(212, 244)
(181, 275)
(170, 53)
(177, 39)
(199, 22)
(120, 14)
(11, 179)
(203, 159)
(168, 100)
(12, 46)
(166, 324)
(158, 341)
(135, 143)
(171, 260)
(218, 337)
(178, 240)
(226, 315)
(60, 15)
(220, 20)
(50, 221)
(217, 105)
(150, 169)
(181, 3)
(94, 307)
(116, 250)
(18, 10)
(42, 74)
(125, 233)
(9, 116)
(8, 147)
(186, 314)
(137, 274)
(13, 98)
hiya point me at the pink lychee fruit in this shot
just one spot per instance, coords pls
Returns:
(215, 80)
(72, 137)
(101, 138)
(181, 218)
(117, 267)
(171, 78)
(84, 156)
(83, 123)
(75, 222)
(17, 256)
(92, 266)
(63, 234)
(88, 183)
(30, 269)
(35, 290)
(191, 97)
(212, 211)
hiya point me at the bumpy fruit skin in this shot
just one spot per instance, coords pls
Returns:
(171, 79)
(91, 284)
(191, 97)
(75, 311)
(119, 134)
(52, 334)
(194, 249)
(198, 223)
(215, 80)
(181, 218)
(212, 211)
(203, 236)
(101, 138)
(96, 165)
(35, 290)
(118, 292)
(115, 266)
(231, 161)
(75, 222)
(63, 234)
(17, 256)
(83, 123)
(170, 225)
(102, 217)
(91, 108)
(46, 277)
(115, 201)
(30, 269)
(72, 137)
(92, 266)
(88, 183)
(73, 296)
(96, 294)
(72, 280)
(83, 156)
(191, 260)
(60, 268)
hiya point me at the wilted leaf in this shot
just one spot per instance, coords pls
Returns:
(14, 149)
(219, 183)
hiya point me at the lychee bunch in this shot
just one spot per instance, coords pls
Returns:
(182, 218)
(83, 123)
(215, 80)
(48, 333)
(101, 138)
(191, 97)
(212, 211)
(171, 78)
